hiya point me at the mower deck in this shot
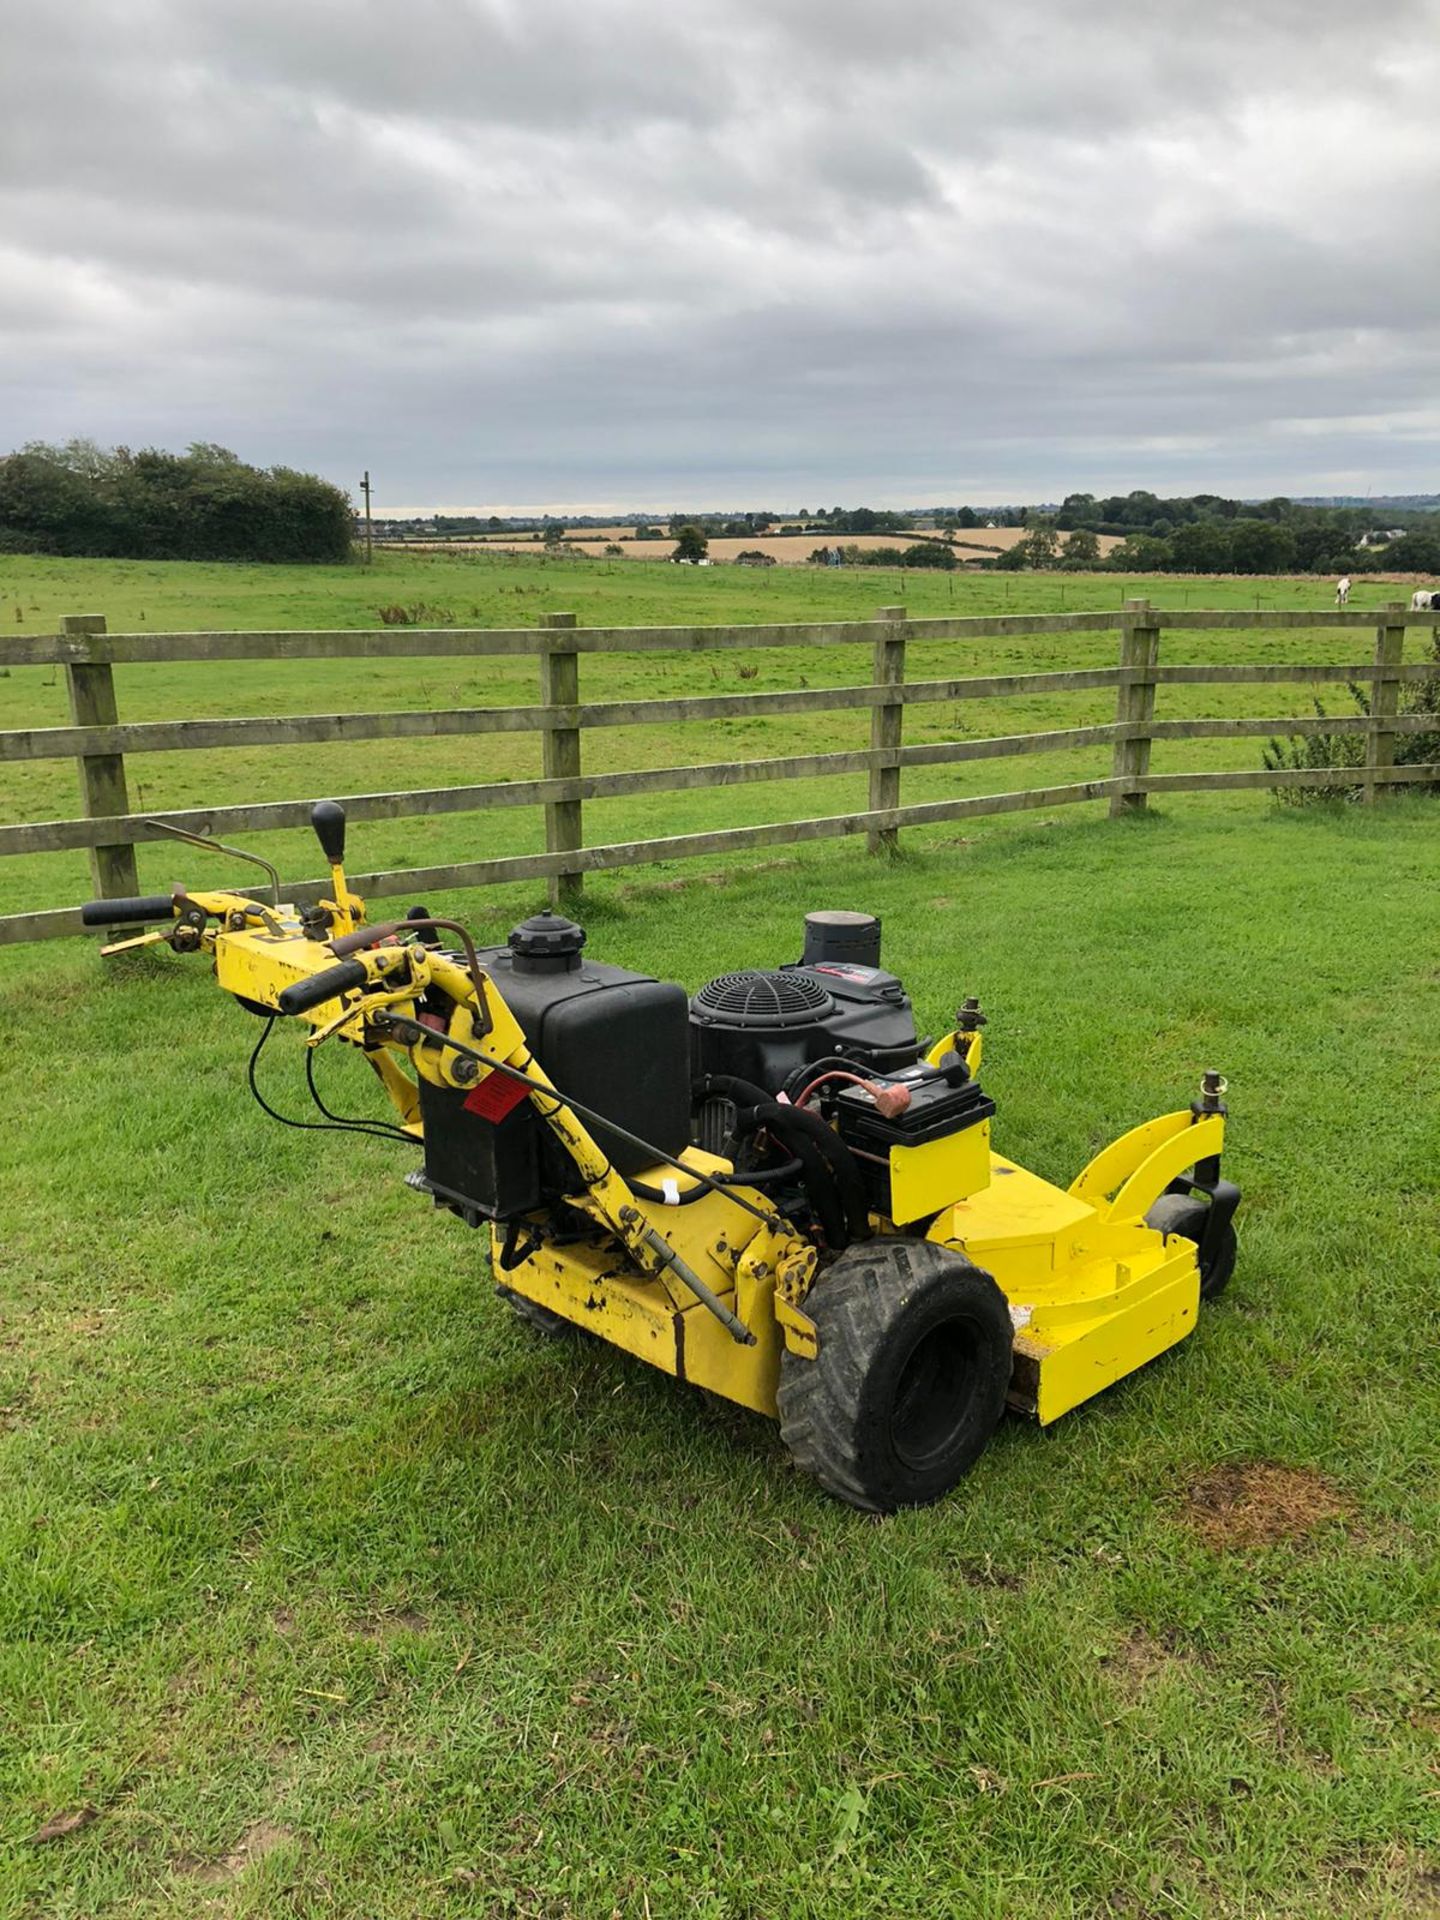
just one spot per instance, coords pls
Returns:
(1091, 1301)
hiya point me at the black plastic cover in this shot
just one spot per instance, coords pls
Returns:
(614, 1040)
(862, 1015)
(492, 1169)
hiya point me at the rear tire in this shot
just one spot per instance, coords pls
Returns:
(1182, 1214)
(909, 1382)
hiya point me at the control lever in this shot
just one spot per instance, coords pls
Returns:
(327, 817)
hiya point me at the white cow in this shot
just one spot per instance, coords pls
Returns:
(1424, 601)
(1342, 591)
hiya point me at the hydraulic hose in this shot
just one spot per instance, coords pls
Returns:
(796, 1124)
(685, 1198)
(832, 1179)
(818, 1180)
(729, 1086)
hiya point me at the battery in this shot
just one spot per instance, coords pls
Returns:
(937, 1151)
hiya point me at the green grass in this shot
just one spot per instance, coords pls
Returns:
(331, 1590)
(493, 591)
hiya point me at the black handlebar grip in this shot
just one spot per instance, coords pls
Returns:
(320, 987)
(125, 913)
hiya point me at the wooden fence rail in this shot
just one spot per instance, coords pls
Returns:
(110, 830)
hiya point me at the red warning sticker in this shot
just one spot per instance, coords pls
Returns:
(494, 1097)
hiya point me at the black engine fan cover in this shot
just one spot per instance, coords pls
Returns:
(764, 1025)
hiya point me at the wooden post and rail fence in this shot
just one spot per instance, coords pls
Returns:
(99, 742)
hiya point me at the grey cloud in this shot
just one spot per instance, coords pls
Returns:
(548, 251)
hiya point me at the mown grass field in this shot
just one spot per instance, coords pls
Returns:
(494, 591)
(325, 1588)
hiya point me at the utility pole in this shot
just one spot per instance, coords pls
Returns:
(365, 489)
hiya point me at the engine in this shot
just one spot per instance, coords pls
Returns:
(774, 1026)
(822, 1054)
(805, 1076)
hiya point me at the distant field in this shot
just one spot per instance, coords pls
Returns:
(489, 589)
(792, 550)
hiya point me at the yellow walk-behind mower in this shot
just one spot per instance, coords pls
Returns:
(775, 1190)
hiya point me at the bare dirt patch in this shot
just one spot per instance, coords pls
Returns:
(61, 1825)
(1391, 1880)
(1141, 1662)
(984, 1573)
(1258, 1504)
(261, 1839)
(793, 549)
(385, 1626)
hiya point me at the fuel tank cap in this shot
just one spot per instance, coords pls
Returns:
(547, 942)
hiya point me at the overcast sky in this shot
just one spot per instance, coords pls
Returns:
(517, 253)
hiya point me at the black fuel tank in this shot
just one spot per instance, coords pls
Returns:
(615, 1040)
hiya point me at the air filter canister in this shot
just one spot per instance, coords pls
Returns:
(834, 935)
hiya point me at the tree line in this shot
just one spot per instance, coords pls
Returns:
(207, 504)
(1207, 533)
(1196, 533)
(81, 499)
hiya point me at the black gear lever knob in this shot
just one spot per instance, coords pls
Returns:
(327, 817)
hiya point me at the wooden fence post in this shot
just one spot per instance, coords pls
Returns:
(1135, 702)
(1384, 702)
(560, 758)
(102, 775)
(887, 723)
